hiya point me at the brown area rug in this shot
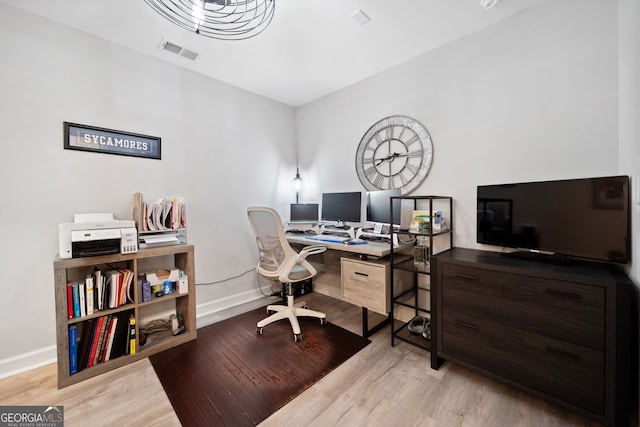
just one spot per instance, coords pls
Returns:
(232, 376)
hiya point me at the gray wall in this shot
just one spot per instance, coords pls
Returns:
(223, 149)
(551, 93)
(533, 97)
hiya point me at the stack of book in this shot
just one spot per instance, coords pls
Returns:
(100, 339)
(100, 290)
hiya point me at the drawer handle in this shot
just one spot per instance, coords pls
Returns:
(563, 294)
(467, 276)
(361, 274)
(466, 325)
(565, 354)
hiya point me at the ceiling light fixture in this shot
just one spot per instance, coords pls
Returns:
(218, 19)
(489, 4)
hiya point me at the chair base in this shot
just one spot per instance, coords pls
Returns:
(291, 311)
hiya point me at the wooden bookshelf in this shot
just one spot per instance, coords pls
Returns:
(75, 269)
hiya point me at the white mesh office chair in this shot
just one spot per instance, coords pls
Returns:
(278, 261)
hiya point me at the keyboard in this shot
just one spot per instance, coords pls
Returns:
(327, 238)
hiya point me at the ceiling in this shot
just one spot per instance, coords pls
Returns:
(311, 49)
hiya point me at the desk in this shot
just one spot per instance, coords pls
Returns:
(358, 274)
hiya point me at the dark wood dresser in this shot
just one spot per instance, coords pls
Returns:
(559, 332)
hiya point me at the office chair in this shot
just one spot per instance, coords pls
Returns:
(278, 261)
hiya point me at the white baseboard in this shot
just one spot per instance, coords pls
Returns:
(224, 308)
(206, 314)
(25, 362)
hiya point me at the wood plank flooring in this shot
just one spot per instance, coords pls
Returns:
(379, 386)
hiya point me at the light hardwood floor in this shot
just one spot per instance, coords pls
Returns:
(380, 386)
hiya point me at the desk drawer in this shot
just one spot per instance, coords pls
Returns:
(366, 284)
(567, 311)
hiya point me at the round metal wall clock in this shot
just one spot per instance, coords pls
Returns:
(396, 152)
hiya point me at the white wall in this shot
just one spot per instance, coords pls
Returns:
(551, 93)
(534, 97)
(223, 149)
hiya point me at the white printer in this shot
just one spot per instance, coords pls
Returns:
(97, 234)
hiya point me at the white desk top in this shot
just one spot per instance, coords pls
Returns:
(374, 249)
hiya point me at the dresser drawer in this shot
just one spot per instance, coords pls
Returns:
(557, 309)
(366, 284)
(557, 368)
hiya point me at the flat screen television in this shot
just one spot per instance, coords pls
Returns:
(582, 218)
(379, 207)
(342, 207)
(301, 212)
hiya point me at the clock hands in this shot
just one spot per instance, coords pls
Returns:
(391, 157)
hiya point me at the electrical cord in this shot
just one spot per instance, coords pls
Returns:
(155, 326)
(260, 285)
(228, 278)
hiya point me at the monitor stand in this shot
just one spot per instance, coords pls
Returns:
(370, 234)
(311, 227)
(339, 230)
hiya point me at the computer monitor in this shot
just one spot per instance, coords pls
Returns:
(342, 207)
(378, 207)
(301, 212)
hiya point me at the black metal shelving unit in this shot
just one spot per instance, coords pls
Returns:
(410, 298)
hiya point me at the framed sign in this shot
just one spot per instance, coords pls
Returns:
(89, 138)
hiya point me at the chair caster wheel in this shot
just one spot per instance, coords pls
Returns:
(323, 321)
(297, 337)
(259, 331)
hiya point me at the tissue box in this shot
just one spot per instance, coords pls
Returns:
(183, 284)
(161, 276)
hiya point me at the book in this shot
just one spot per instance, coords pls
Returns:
(113, 284)
(85, 343)
(83, 304)
(89, 289)
(102, 332)
(139, 211)
(99, 287)
(95, 340)
(105, 293)
(76, 300)
(125, 292)
(132, 334)
(121, 337)
(129, 288)
(112, 332)
(102, 346)
(73, 349)
(70, 300)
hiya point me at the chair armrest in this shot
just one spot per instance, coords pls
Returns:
(310, 250)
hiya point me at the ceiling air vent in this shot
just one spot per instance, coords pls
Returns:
(168, 46)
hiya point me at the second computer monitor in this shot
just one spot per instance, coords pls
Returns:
(304, 212)
(342, 207)
(379, 209)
